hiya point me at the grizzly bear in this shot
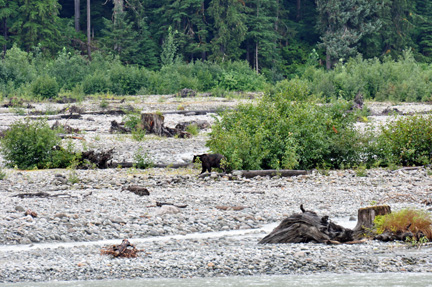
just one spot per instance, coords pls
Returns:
(210, 160)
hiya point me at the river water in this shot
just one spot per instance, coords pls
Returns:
(322, 280)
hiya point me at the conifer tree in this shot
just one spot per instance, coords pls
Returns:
(229, 28)
(38, 24)
(342, 24)
(424, 10)
(262, 32)
(8, 9)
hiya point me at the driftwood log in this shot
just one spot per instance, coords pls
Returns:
(271, 172)
(308, 227)
(98, 159)
(125, 249)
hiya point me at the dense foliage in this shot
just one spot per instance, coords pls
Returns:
(273, 36)
(33, 144)
(281, 132)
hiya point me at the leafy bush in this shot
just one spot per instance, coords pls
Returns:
(415, 220)
(45, 87)
(28, 144)
(96, 83)
(279, 133)
(142, 159)
(406, 141)
(68, 69)
(127, 80)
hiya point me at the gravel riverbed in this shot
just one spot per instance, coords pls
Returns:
(90, 209)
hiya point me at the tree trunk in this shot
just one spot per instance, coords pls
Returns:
(153, 123)
(298, 17)
(77, 15)
(365, 219)
(88, 30)
(5, 36)
(328, 61)
(256, 44)
(256, 57)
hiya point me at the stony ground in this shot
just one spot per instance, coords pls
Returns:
(206, 238)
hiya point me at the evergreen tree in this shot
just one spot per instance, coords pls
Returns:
(148, 50)
(188, 18)
(37, 24)
(424, 39)
(262, 33)
(229, 28)
(169, 49)
(120, 37)
(8, 9)
(342, 24)
(395, 34)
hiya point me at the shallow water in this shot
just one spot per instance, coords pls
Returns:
(322, 280)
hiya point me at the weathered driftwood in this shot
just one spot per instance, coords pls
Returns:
(187, 93)
(91, 158)
(200, 124)
(308, 227)
(271, 172)
(194, 113)
(159, 204)
(119, 128)
(365, 219)
(125, 164)
(138, 190)
(125, 249)
(235, 208)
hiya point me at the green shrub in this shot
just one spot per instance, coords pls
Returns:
(28, 144)
(280, 133)
(142, 159)
(192, 129)
(96, 83)
(127, 80)
(45, 87)
(406, 141)
(415, 220)
(68, 69)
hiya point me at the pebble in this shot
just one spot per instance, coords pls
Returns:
(97, 209)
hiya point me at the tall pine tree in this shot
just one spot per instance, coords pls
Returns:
(342, 24)
(37, 24)
(262, 34)
(8, 9)
(229, 28)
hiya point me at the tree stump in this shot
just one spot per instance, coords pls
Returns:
(153, 123)
(365, 219)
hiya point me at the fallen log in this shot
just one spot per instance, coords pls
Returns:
(308, 227)
(270, 172)
(126, 164)
(159, 204)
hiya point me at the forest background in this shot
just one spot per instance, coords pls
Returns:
(128, 46)
(298, 53)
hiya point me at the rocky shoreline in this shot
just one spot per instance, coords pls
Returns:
(216, 234)
(97, 209)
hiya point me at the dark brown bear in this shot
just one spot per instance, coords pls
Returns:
(210, 160)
